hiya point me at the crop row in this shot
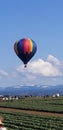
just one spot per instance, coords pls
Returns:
(22, 121)
(48, 104)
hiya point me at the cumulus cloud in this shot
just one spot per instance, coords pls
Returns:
(53, 59)
(42, 68)
(49, 71)
(3, 73)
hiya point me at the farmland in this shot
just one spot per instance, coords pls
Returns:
(19, 120)
(35, 103)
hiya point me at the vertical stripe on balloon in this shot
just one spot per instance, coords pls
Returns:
(15, 47)
(30, 46)
(25, 46)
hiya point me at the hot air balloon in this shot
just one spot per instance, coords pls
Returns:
(25, 49)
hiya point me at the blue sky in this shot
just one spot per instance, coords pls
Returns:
(41, 20)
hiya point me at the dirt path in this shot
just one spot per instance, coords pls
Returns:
(32, 112)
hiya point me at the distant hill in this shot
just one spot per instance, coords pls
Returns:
(32, 90)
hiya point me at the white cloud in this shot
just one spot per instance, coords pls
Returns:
(37, 72)
(42, 68)
(53, 59)
(3, 73)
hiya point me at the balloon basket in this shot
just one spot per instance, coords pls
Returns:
(25, 66)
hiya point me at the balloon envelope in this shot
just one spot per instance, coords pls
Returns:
(25, 49)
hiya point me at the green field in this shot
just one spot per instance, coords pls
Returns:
(36, 103)
(24, 121)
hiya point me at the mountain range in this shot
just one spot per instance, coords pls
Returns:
(35, 90)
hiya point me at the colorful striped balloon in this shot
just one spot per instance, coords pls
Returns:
(25, 49)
